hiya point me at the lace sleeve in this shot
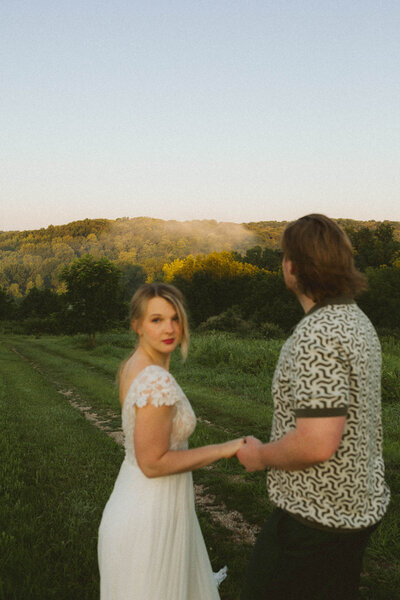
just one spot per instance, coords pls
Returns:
(154, 385)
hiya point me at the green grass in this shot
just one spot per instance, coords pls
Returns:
(58, 470)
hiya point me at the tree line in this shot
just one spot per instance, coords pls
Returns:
(31, 259)
(226, 290)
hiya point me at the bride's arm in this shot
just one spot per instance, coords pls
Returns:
(152, 435)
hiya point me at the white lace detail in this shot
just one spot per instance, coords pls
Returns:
(157, 386)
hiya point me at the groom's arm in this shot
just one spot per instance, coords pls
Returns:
(314, 440)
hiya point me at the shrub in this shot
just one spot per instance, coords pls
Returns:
(229, 320)
(271, 331)
(37, 325)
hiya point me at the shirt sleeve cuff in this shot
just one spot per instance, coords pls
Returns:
(339, 411)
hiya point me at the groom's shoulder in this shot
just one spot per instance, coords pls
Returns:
(331, 320)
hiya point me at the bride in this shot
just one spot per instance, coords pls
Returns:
(150, 543)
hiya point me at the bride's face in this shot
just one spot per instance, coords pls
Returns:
(160, 329)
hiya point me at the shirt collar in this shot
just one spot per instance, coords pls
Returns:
(330, 302)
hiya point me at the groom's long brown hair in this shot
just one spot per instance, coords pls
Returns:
(322, 258)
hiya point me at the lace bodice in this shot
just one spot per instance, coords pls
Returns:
(157, 386)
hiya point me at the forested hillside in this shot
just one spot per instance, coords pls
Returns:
(31, 259)
(80, 277)
(35, 258)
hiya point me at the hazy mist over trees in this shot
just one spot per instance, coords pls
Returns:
(225, 270)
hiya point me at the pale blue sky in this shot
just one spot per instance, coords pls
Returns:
(209, 109)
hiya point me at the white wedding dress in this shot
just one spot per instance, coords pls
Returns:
(150, 543)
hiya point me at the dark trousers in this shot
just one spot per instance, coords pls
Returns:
(292, 561)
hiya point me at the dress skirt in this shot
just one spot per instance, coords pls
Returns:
(150, 543)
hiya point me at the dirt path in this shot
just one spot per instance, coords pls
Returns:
(218, 512)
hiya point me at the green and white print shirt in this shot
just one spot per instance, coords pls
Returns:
(331, 366)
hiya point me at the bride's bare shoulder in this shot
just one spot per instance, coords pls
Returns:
(132, 368)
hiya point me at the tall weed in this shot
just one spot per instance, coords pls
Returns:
(224, 349)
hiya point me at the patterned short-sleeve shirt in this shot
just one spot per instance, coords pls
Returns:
(331, 366)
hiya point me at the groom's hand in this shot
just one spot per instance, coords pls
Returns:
(249, 454)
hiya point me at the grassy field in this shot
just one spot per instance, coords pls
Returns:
(58, 469)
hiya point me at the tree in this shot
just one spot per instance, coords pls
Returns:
(40, 303)
(207, 296)
(385, 244)
(262, 258)
(215, 282)
(94, 297)
(381, 301)
(133, 276)
(267, 300)
(373, 248)
(210, 283)
(218, 265)
(7, 305)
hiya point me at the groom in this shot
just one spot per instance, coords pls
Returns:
(326, 473)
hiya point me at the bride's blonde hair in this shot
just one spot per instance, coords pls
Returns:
(138, 304)
(171, 294)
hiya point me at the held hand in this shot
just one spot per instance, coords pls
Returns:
(249, 454)
(230, 448)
